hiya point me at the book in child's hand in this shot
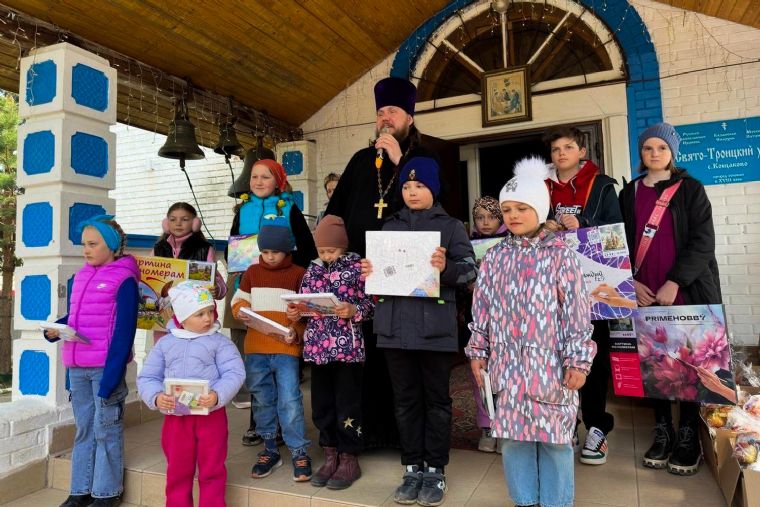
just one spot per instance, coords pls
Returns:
(186, 394)
(313, 305)
(67, 333)
(266, 326)
(486, 393)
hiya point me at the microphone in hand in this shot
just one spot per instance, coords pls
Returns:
(379, 156)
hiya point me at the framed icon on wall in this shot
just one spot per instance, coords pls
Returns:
(506, 96)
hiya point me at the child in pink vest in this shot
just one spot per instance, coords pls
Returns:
(103, 309)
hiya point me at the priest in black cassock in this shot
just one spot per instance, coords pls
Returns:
(367, 193)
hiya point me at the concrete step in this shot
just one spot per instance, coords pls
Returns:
(48, 497)
(475, 479)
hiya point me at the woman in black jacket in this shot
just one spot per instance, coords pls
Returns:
(679, 268)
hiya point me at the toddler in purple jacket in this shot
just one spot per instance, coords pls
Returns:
(195, 349)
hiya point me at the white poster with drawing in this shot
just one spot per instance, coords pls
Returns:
(401, 263)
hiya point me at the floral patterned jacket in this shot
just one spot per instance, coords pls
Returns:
(330, 339)
(531, 321)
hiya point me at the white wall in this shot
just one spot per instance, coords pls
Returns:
(146, 184)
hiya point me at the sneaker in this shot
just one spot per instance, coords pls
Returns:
(407, 493)
(251, 438)
(108, 501)
(687, 452)
(77, 501)
(658, 454)
(347, 473)
(323, 473)
(576, 438)
(301, 468)
(595, 449)
(267, 463)
(433, 487)
(487, 443)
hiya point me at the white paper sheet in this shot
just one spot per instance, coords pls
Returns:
(401, 263)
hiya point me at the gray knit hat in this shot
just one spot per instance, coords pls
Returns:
(664, 131)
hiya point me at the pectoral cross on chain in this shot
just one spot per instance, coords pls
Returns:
(380, 205)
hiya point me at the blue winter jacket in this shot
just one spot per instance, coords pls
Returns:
(186, 355)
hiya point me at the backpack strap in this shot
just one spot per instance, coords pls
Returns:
(653, 224)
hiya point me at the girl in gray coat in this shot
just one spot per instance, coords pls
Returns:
(419, 336)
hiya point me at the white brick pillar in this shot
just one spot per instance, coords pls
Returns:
(66, 164)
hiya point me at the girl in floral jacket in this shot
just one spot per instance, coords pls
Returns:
(335, 344)
(531, 332)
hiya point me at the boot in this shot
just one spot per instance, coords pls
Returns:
(78, 501)
(687, 452)
(348, 471)
(664, 438)
(323, 474)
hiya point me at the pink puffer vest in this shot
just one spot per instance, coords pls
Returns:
(93, 310)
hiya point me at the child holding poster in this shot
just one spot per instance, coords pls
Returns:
(581, 196)
(419, 335)
(270, 196)
(669, 227)
(531, 332)
(194, 349)
(182, 239)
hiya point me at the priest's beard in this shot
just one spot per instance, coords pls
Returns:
(400, 134)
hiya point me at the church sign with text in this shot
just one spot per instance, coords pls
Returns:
(721, 152)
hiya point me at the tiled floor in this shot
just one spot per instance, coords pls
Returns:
(475, 479)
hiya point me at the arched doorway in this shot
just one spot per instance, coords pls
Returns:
(625, 30)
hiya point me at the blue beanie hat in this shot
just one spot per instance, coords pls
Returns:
(422, 169)
(395, 91)
(667, 133)
(274, 234)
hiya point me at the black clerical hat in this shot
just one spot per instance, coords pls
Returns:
(394, 91)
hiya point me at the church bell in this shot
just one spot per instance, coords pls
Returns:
(181, 143)
(228, 143)
(242, 184)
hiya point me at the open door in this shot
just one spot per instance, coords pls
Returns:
(453, 196)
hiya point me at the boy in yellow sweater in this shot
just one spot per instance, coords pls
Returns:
(271, 364)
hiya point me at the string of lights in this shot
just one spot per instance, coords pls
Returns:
(143, 103)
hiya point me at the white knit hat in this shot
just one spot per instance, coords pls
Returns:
(528, 186)
(187, 298)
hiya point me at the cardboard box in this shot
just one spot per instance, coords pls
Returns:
(740, 488)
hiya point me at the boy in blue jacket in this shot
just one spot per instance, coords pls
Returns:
(195, 349)
(420, 337)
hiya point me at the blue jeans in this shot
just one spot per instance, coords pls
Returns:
(97, 464)
(273, 381)
(539, 473)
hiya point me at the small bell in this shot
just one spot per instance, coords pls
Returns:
(228, 143)
(242, 184)
(181, 143)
